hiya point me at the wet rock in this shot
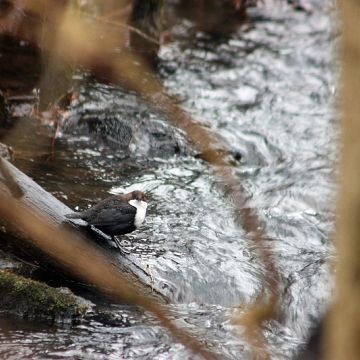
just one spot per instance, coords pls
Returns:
(32, 299)
(110, 318)
(145, 138)
(158, 139)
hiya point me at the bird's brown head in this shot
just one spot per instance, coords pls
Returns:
(134, 195)
(138, 195)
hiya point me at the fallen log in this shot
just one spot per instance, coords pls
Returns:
(36, 198)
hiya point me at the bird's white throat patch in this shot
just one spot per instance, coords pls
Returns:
(140, 211)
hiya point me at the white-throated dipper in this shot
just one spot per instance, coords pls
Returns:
(116, 215)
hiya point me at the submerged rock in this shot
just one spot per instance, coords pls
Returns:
(136, 135)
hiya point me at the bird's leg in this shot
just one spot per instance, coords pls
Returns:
(151, 276)
(117, 243)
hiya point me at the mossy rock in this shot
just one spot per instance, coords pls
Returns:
(34, 300)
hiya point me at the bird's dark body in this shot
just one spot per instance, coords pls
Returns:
(112, 216)
(115, 215)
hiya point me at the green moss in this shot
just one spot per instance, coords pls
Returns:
(35, 300)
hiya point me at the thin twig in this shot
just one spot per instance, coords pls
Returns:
(124, 26)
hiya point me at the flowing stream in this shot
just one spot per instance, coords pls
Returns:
(268, 90)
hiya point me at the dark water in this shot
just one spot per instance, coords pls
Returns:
(269, 91)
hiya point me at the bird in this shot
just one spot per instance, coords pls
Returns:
(116, 215)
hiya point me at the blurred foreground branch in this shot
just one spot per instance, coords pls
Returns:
(344, 324)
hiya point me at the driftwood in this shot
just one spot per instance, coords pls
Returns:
(42, 202)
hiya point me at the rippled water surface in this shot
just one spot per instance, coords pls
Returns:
(268, 91)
